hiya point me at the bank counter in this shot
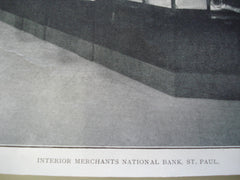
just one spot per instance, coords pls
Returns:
(182, 48)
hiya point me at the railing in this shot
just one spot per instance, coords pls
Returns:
(213, 5)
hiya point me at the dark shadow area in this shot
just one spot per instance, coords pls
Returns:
(185, 42)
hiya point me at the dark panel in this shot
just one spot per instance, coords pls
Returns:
(36, 10)
(138, 30)
(132, 28)
(13, 6)
(34, 28)
(1, 4)
(104, 23)
(74, 17)
(209, 86)
(11, 19)
(131, 37)
(235, 3)
(207, 46)
(153, 76)
(35, 17)
(12, 12)
(178, 40)
(71, 43)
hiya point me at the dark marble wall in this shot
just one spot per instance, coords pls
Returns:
(15, 7)
(207, 46)
(235, 3)
(12, 6)
(178, 40)
(181, 41)
(73, 17)
(36, 10)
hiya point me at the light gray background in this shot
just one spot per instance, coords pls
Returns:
(50, 96)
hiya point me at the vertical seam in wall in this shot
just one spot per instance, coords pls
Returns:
(46, 19)
(208, 5)
(93, 36)
(22, 19)
(45, 25)
(173, 4)
(22, 15)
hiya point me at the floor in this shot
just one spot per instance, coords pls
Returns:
(50, 96)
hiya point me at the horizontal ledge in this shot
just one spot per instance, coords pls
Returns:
(194, 85)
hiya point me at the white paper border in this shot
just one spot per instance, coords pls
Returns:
(27, 161)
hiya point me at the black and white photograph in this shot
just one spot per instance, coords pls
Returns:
(120, 73)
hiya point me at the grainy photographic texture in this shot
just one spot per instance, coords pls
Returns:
(120, 73)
